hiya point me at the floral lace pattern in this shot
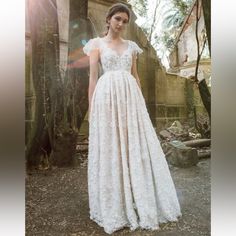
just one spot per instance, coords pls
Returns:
(110, 59)
(129, 181)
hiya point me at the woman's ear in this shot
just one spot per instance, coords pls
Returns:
(109, 20)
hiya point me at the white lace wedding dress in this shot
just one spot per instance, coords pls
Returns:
(129, 181)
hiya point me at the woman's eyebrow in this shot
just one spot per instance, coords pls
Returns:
(125, 19)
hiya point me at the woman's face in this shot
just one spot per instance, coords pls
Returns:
(118, 21)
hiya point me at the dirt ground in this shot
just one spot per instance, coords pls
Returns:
(57, 203)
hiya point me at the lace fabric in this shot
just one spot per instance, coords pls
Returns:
(129, 181)
(98, 43)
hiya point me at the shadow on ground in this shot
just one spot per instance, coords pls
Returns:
(57, 203)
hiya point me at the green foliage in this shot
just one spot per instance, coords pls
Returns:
(182, 6)
(139, 7)
(174, 13)
(165, 39)
(170, 15)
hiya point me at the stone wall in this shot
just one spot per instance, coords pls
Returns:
(175, 98)
(183, 57)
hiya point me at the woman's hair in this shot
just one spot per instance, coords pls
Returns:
(118, 7)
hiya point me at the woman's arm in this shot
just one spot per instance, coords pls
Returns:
(93, 74)
(134, 70)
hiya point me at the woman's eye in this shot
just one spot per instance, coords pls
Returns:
(119, 19)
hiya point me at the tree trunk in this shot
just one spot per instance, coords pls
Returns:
(206, 5)
(203, 89)
(77, 78)
(44, 38)
(198, 143)
(72, 92)
(52, 137)
(205, 96)
(61, 103)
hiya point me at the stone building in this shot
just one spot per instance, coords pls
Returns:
(183, 57)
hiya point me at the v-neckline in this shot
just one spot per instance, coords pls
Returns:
(119, 55)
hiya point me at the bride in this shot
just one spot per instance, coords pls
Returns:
(129, 182)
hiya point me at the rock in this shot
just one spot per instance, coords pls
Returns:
(194, 135)
(204, 154)
(180, 155)
(82, 148)
(176, 128)
(165, 134)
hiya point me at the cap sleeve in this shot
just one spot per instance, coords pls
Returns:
(91, 45)
(136, 49)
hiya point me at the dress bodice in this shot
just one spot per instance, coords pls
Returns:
(110, 59)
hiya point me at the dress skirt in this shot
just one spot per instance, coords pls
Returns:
(129, 181)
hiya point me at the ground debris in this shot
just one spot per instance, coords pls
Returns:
(186, 135)
(57, 203)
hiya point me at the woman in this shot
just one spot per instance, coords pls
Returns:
(129, 181)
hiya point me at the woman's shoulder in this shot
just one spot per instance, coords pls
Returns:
(91, 44)
(133, 43)
(135, 46)
(95, 39)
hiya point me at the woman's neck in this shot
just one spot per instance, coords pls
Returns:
(113, 36)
